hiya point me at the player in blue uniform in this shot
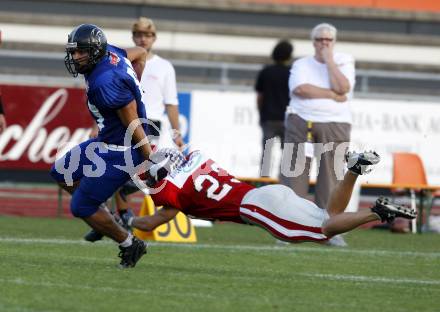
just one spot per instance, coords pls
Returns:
(91, 171)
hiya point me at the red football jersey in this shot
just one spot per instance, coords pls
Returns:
(202, 190)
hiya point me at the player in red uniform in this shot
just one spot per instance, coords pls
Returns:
(198, 187)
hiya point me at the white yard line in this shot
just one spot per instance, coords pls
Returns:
(97, 288)
(331, 277)
(370, 279)
(288, 248)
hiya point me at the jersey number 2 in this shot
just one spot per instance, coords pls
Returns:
(213, 191)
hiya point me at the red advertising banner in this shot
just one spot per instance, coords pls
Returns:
(40, 121)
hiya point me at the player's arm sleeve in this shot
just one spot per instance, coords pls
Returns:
(115, 95)
(167, 196)
(170, 88)
(119, 51)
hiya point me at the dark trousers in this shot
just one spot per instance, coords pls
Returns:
(271, 129)
(334, 137)
(154, 128)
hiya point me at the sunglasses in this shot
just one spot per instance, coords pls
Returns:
(324, 39)
(139, 34)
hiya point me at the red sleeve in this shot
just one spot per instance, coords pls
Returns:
(166, 195)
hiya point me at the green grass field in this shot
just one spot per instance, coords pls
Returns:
(46, 267)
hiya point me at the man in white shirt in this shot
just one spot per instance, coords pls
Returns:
(158, 81)
(318, 118)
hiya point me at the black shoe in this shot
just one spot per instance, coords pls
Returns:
(93, 236)
(131, 255)
(388, 211)
(359, 163)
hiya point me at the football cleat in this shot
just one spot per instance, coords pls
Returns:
(131, 255)
(359, 163)
(337, 241)
(388, 211)
(93, 236)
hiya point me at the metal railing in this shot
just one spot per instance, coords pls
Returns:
(217, 75)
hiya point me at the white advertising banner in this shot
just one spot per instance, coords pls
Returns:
(225, 125)
(398, 126)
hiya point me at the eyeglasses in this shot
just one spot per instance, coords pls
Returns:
(139, 34)
(324, 39)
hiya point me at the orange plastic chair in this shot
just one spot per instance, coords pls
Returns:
(408, 169)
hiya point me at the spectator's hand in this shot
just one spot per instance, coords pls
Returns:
(178, 140)
(327, 54)
(340, 98)
(2, 123)
(179, 143)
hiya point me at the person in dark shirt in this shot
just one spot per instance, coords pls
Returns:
(272, 99)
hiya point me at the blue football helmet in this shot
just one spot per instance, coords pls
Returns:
(89, 38)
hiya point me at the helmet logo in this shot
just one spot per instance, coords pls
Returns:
(114, 59)
(97, 33)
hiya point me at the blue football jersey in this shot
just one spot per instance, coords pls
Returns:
(110, 86)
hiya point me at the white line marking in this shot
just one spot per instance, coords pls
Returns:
(288, 248)
(371, 279)
(97, 288)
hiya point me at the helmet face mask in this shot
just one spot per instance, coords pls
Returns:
(91, 42)
(79, 65)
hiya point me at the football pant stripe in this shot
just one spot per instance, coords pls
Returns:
(283, 222)
(278, 230)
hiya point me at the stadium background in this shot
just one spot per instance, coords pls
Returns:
(217, 48)
(395, 44)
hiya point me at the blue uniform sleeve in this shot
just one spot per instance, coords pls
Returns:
(117, 50)
(116, 94)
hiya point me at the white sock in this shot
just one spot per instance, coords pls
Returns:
(128, 241)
